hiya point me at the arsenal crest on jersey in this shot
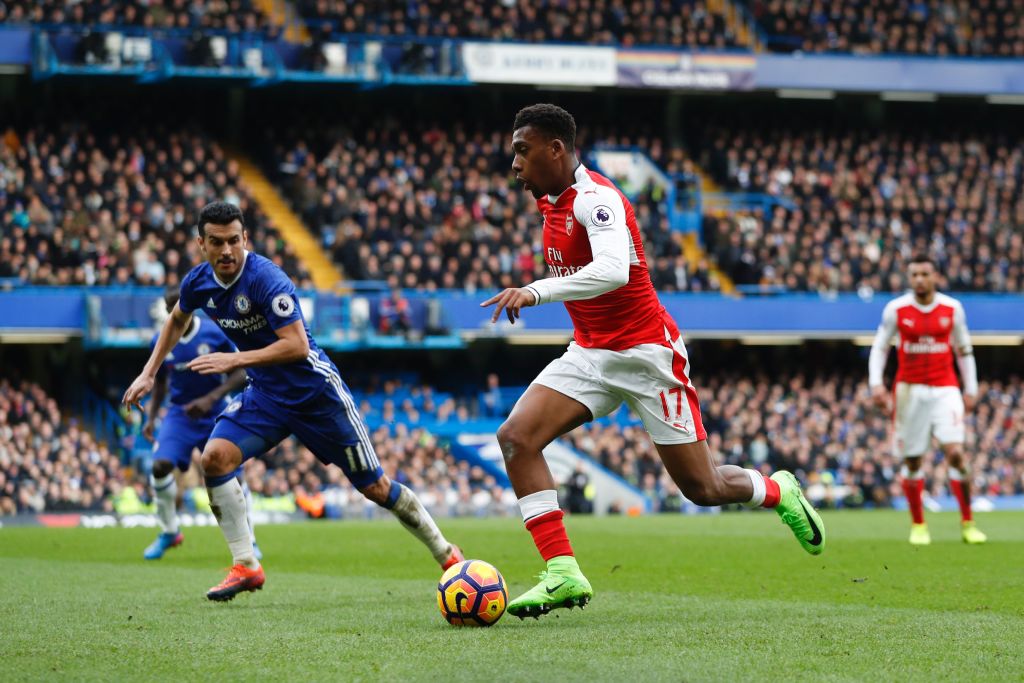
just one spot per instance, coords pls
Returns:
(944, 321)
(568, 223)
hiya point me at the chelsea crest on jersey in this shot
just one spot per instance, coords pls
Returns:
(260, 300)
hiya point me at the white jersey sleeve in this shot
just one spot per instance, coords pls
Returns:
(603, 215)
(961, 342)
(880, 347)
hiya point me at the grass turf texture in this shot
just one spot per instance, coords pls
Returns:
(713, 598)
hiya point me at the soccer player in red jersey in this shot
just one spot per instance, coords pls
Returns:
(626, 348)
(932, 329)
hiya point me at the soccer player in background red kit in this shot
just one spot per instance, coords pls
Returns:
(626, 348)
(932, 329)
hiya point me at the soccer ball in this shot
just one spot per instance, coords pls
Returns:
(471, 593)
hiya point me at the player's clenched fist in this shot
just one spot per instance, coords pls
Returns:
(511, 300)
(214, 363)
(881, 398)
(142, 385)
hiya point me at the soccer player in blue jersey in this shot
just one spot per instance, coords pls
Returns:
(196, 400)
(294, 388)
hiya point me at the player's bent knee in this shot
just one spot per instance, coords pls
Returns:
(220, 458)
(378, 491)
(161, 468)
(513, 440)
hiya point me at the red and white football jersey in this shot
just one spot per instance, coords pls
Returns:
(593, 214)
(928, 337)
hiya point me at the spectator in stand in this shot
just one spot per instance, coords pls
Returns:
(395, 314)
(491, 399)
(576, 494)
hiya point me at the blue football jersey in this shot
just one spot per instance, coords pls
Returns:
(258, 301)
(204, 338)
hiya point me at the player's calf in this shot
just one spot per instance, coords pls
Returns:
(165, 494)
(409, 511)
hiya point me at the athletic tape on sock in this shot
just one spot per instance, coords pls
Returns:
(538, 503)
(757, 482)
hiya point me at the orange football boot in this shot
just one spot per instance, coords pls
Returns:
(454, 558)
(240, 578)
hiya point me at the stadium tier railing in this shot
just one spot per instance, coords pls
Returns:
(259, 61)
(121, 317)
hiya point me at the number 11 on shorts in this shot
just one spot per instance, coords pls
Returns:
(678, 391)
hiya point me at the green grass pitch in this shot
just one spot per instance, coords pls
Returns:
(714, 598)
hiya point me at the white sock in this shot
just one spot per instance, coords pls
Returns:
(538, 503)
(165, 491)
(907, 474)
(414, 517)
(228, 504)
(247, 492)
(757, 481)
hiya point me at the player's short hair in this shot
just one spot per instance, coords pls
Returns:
(922, 257)
(171, 295)
(218, 213)
(549, 119)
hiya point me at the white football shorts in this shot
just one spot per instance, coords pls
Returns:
(651, 378)
(923, 411)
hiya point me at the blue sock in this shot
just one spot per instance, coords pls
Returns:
(393, 494)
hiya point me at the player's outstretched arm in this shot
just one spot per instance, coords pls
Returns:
(175, 325)
(160, 387)
(291, 346)
(510, 301)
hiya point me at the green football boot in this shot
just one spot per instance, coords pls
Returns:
(972, 534)
(798, 514)
(919, 535)
(561, 585)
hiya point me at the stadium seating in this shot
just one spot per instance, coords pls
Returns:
(47, 461)
(231, 16)
(432, 207)
(676, 23)
(860, 202)
(825, 429)
(850, 207)
(81, 205)
(991, 28)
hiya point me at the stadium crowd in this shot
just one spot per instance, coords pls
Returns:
(991, 28)
(675, 23)
(87, 207)
(232, 16)
(824, 429)
(434, 207)
(48, 463)
(854, 206)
